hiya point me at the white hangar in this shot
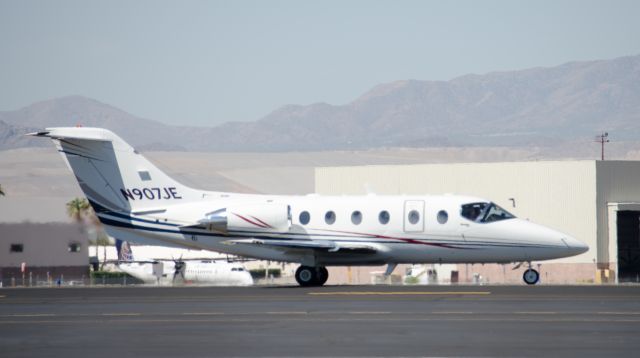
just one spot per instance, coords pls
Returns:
(597, 202)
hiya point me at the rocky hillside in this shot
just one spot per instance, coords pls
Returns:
(78, 110)
(538, 106)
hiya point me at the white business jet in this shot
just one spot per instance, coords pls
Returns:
(178, 271)
(137, 202)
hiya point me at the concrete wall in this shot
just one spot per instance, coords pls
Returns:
(617, 182)
(46, 249)
(558, 194)
(577, 197)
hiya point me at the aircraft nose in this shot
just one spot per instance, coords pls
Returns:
(575, 246)
(564, 245)
(248, 280)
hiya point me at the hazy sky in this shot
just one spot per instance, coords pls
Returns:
(206, 62)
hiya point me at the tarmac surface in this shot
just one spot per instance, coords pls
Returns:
(326, 321)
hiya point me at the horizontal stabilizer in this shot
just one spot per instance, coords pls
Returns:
(83, 133)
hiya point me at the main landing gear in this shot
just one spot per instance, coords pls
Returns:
(311, 276)
(531, 276)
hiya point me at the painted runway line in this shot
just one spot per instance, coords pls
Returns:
(311, 319)
(401, 293)
(359, 314)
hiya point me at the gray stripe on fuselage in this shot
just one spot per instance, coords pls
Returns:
(312, 237)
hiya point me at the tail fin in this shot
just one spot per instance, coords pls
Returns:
(124, 251)
(113, 176)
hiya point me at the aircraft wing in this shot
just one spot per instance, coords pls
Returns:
(328, 246)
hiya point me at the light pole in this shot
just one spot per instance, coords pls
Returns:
(602, 139)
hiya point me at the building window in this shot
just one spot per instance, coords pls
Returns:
(304, 217)
(16, 248)
(443, 217)
(356, 217)
(414, 217)
(384, 217)
(74, 247)
(330, 217)
(144, 175)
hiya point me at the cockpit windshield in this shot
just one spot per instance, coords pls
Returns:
(485, 212)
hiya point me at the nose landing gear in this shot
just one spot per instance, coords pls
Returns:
(531, 276)
(312, 276)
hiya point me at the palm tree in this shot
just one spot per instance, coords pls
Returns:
(81, 212)
(102, 240)
(78, 209)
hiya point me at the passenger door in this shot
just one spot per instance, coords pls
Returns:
(414, 216)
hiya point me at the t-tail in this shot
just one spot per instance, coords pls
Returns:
(113, 176)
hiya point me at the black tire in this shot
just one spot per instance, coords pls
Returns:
(531, 277)
(306, 276)
(322, 275)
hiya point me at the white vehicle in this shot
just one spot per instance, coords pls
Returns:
(170, 272)
(137, 202)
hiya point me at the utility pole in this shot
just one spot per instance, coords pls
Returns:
(602, 139)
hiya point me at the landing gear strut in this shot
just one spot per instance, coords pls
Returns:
(312, 276)
(531, 276)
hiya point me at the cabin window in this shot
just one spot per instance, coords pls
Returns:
(356, 217)
(384, 217)
(473, 211)
(304, 217)
(144, 175)
(330, 217)
(16, 248)
(442, 217)
(414, 217)
(74, 247)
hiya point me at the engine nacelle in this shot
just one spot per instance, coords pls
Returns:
(267, 217)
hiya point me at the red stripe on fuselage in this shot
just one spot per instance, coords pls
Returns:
(250, 221)
(262, 222)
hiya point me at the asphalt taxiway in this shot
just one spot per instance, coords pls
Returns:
(326, 321)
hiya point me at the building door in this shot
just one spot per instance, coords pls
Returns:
(414, 216)
(628, 246)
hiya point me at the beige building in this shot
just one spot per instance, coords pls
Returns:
(597, 202)
(39, 254)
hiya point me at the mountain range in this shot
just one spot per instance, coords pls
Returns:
(537, 106)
